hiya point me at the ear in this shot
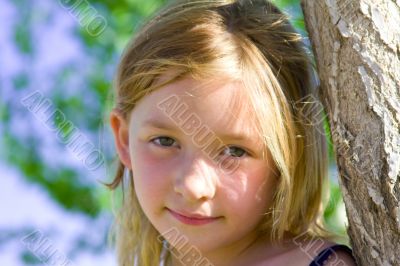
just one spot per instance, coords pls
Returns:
(120, 130)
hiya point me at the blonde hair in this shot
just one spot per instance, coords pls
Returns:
(250, 41)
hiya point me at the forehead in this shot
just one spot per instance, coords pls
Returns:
(217, 103)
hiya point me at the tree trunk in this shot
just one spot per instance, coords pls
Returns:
(356, 44)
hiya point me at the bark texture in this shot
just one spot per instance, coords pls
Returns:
(356, 44)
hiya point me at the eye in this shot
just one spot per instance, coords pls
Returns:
(163, 141)
(235, 151)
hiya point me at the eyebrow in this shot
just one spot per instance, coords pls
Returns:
(223, 136)
(156, 124)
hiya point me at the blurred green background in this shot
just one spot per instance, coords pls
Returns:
(62, 55)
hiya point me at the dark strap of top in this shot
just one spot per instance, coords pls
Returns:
(324, 254)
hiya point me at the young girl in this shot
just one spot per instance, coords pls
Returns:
(226, 158)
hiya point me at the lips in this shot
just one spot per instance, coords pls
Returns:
(192, 218)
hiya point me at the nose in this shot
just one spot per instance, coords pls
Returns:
(196, 180)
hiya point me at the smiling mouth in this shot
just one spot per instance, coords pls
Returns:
(192, 219)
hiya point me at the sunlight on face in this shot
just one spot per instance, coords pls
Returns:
(179, 175)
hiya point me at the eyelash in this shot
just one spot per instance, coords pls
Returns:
(245, 153)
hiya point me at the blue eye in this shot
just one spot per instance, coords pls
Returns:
(163, 141)
(235, 151)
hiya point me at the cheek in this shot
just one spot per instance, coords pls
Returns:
(151, 172)
(250, 191)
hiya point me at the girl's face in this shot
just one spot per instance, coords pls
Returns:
(181, 185)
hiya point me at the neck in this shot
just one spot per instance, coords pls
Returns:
(222, 256)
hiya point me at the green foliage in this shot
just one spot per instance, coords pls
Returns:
(30, 259)
(62, 184)
(335, 216)
(23, 38)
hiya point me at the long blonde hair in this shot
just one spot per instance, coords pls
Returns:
(246, 40)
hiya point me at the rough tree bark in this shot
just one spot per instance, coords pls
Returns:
(356, 44)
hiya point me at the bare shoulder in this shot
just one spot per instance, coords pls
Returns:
(309, 249)
(295, 252)
(304, 251)
(340, 258)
